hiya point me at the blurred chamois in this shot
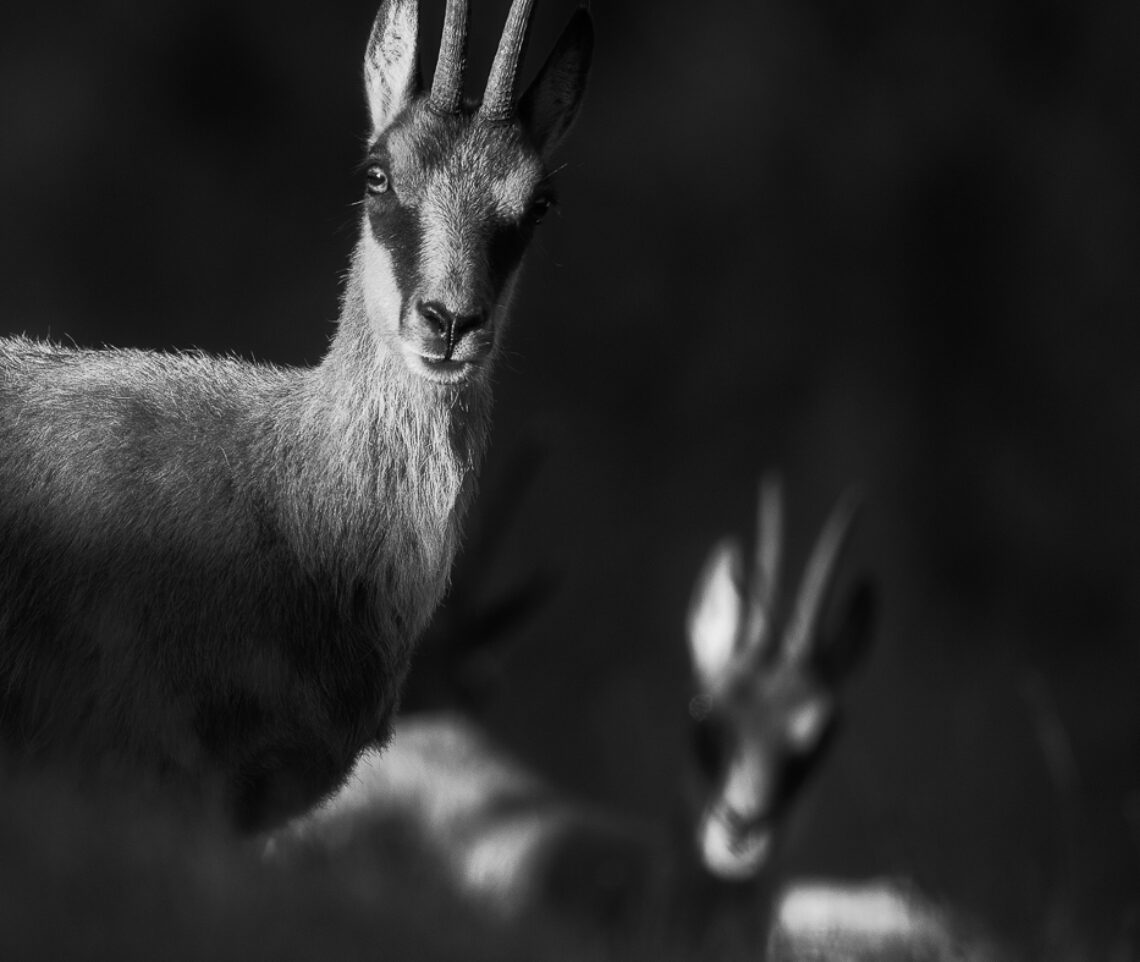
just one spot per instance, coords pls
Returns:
(765, 702)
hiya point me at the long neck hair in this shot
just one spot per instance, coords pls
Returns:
(389, 467)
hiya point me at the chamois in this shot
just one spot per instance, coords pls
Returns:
(766, 699)
(213, 573)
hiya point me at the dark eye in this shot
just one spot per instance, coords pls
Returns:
(799, 763)
(539, 208)
(710, 744)
(376, 179)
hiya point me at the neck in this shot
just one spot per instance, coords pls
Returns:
(390, 459)
(717, 917)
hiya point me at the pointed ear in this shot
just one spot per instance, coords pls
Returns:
(716, 613)
(846, 644)
(391, 74)
(551, 103)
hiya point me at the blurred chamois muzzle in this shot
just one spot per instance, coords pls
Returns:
(740, 824)
(735, 848)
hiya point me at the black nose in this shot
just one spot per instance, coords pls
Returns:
(448, 326)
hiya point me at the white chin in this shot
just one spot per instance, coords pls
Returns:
(735, 858)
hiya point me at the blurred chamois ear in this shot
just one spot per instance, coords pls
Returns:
(716, 614)
(847, 641)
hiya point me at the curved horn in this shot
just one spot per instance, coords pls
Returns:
(769, 548)
(817, 578)
(447, 86)
(498, 101)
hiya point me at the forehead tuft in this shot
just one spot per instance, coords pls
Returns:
(495, 162)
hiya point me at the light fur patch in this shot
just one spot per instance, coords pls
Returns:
(876, 910)
(749, 783)
(805, 725)
(512, 189)
(451, 256)
(382, 300)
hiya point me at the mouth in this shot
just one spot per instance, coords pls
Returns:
(735, 853)
(440, 370)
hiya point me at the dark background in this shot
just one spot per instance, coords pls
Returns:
(891, 243)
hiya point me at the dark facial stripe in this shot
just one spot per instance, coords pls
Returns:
(398, 230)
(507, 245)
(798, 768)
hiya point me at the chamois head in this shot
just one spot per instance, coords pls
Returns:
(768, 689)
(454, 189)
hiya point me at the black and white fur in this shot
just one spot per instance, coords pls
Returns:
(213, 572)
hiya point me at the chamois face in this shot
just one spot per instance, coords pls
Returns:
(453, 193)
(451, 203)
(767, 695)
(757, 741)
